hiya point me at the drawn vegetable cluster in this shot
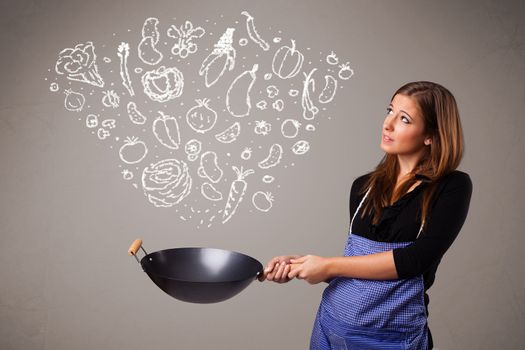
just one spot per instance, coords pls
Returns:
(201, 117)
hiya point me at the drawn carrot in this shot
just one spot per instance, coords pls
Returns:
(237, 191)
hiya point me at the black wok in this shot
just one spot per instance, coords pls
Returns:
(198, 275)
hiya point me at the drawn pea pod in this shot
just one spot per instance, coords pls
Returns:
(238, 100)
(166, 130)
(209, 167)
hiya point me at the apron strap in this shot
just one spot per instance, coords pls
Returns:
(357, 210)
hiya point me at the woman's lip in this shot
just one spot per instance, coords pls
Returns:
(386, 138)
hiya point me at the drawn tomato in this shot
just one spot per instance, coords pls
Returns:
(133, 151)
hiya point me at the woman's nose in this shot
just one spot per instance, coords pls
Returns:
(387, 124)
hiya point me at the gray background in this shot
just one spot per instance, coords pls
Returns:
(67, 218)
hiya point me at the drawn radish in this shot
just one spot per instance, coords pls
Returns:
(237, 191)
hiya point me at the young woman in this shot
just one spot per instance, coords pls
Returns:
(404, 216)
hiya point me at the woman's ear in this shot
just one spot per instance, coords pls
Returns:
(428, 141)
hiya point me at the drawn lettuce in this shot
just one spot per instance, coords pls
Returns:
(79, 64)
(167, 182)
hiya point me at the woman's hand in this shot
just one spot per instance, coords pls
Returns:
(313, 269)
(278, 268)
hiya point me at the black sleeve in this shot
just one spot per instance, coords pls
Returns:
(446, 219)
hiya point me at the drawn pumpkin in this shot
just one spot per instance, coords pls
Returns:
(287, 62)
(163, 84)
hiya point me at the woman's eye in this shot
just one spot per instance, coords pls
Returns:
(389, 110)
(405, 119)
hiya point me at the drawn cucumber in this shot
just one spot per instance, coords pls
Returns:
(274, 157)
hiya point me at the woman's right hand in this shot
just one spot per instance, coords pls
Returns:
(278, 268)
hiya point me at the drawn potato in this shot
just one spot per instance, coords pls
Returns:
(209, 167)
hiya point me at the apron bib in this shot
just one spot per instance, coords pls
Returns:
(359, 314)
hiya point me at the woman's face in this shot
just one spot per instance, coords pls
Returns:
(403, 128)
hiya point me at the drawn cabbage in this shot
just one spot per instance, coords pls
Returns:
(167, 182)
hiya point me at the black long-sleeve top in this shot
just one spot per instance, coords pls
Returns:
(400, 223)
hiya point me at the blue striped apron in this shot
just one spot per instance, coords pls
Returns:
(359, 314)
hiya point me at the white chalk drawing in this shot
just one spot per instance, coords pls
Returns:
(278, 105)
(134, 114)
(147, 50)
(74, 101)
(163, 84)
(309, 109)
(252, 32)
(193, 149)
(237, 191)
(109, 123)
(103, 133)
(230, 134)
(79, 64)
(329, 90)
(345, 72)
(221, 58)
(272, 91)
(209, 167)
(268, 179)
(185, 36)
(243, 42)
(167, 182)
(287, 61)
(91, 121)
(332, 59)
(246, 153)
(262, 127)
(290, 128)
(274, 157)
(123, 54)
(210, 193)
(261, 105)
(127, 174)
(110, 99)
(262, 201)
(166, 130)
(133, 150)
(201, 118)
(301, 147)
(310, 127)
(238, 101)
(181, 156)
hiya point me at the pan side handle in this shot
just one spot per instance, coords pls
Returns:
(135, 246)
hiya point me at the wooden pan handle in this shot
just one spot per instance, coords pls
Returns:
(135, 246)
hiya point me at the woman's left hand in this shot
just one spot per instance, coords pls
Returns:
(313, 269)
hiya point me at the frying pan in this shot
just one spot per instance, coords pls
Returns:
(198, 275)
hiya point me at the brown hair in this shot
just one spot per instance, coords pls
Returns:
(442, 123)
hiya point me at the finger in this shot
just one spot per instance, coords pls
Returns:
(271, 264)
(279, 273)
(294, 272)
(299, 260)
(286, 271)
